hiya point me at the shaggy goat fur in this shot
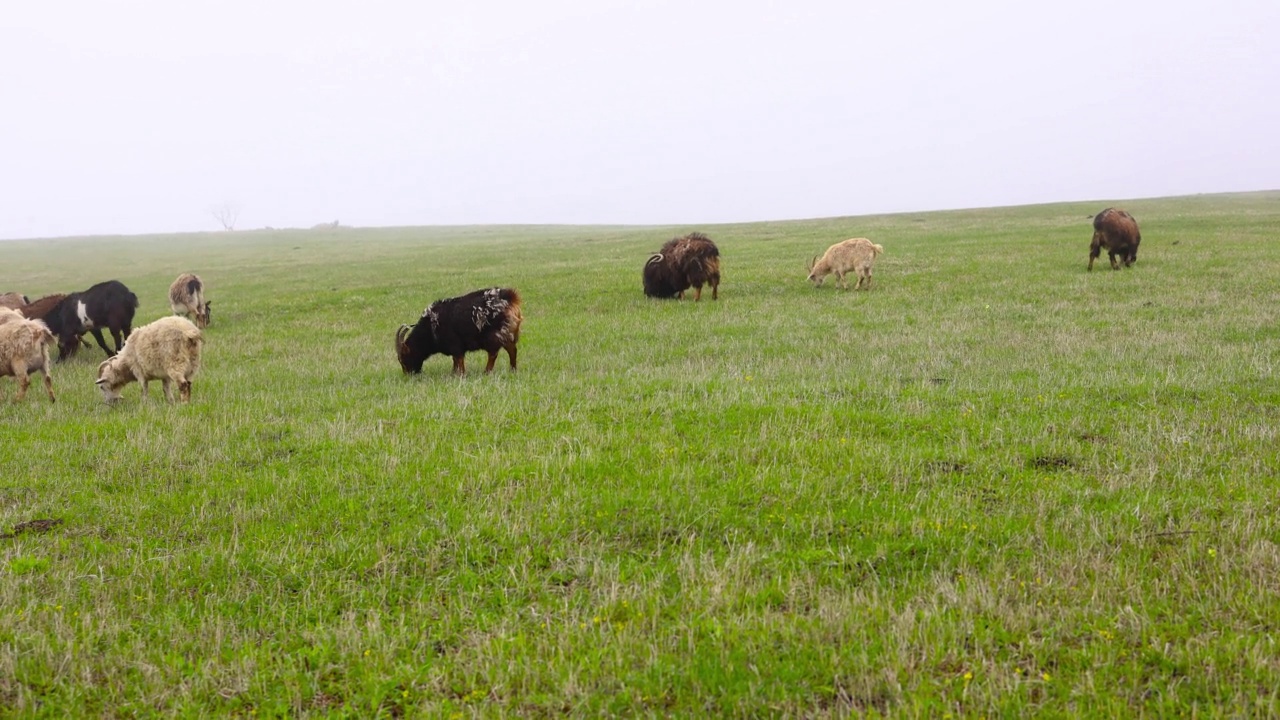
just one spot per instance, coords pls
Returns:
(13, 300)
(186, 297)
(486, 320)
(856, 255)
(1117, 231)
(167, 350)
(683, 262)
(24, 349)
(8, 314)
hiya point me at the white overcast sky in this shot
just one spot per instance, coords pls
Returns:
(135, 116)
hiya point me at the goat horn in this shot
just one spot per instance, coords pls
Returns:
(657, 257)
(401, 334)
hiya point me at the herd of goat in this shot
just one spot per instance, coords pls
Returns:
(169, 349)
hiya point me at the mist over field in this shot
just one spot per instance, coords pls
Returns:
(145, 116)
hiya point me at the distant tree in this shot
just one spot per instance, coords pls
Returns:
(226, 214)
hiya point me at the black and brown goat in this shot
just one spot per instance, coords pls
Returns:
(107, 305)
(683, 262)
(1117, 231)
(486, 320)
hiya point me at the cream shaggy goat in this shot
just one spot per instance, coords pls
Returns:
(853, 255)
(167, 350)
(24, 349)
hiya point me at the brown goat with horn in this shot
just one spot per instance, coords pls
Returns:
(683, 262)
(1117, 231)
(486, 320)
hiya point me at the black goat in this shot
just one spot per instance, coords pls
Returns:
(486, 320)
(692, 260)
(106, 305)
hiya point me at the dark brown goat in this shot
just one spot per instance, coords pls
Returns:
(683, 262)
(40, 308)
(486, 320)
(1117, 231)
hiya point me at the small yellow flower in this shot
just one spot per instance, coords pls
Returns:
(1046, 676)
(1212, 552)
(968, 676)
(366, 653)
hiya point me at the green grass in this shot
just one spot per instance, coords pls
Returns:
(991, 486)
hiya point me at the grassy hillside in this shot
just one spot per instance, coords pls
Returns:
(992, 485)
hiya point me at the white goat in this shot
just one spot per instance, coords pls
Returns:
(186, 297)
(24, 349)
(856, 254)
(167, 350)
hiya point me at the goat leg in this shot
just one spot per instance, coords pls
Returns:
(102, 343)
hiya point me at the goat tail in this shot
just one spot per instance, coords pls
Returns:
(878, 248)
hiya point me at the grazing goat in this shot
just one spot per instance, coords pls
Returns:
(107, 304)
(186, 297)
(167, 350)
(856, 255)
(13, 300)
(683, 262)
(1117, 231)
(486, 320)
(24, 349)
(41, 308)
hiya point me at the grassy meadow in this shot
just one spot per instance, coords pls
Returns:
(993, 485)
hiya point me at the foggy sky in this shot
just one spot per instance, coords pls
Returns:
(136, 116)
